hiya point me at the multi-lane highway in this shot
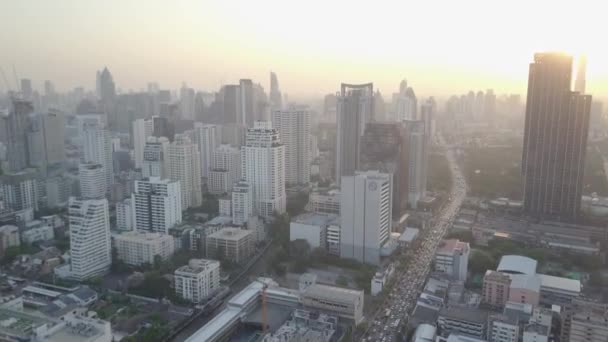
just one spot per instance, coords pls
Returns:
(395, 311)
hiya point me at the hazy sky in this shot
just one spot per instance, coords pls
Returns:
(439, 46)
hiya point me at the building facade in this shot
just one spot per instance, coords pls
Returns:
(137, 248)
(184, 166)
(198, 280)
(294, 127)
(157, 205)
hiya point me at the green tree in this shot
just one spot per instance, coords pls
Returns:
(342, 281)
(158, 262)
(480, 262)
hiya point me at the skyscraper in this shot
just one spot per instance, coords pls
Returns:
(142, 129)
(405, 103)
(231, 104)
(157, 204)
(355, 108)
(294, 127)
(90, 240)
(186, 104)
(417, 143)
(208, 138)
(276, 99)
(225, 169)
(247, 104)
(16, 125)
(242, 203)
(581, 77)
(106, 89)
(263, 167)
(365, 215)
(26, 88)
(385, 148)
(184, 166)
(98, 148)
(555, 139)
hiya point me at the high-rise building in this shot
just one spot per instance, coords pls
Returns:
(379, 107)
(20, 190)
(157, 204)
(184, 166)
(385, 148)
(154, 163)
(355, 109)
(45, 139)
(142, 129)
(186, 99)
(26, 88)
(106, 89)
(16, 125)
(365, 215)
(330, 104)
(263, 167)
(580, 84)
(90, 241)
(417, 143)
(198, 280)
(555, 139)
(92, 179)
(294, 127)
(405, 103)
(208, 138)
(242, 203)
(163, 127)
(97, 148)
(247, 103)
(276, 99)
(428, 110)
(124, 214)
(231, 95)
(225, 169)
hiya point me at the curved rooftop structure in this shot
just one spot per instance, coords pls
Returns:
(517, 264)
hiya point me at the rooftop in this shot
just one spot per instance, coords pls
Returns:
(524, 281)
(517, 264)
(409, 234)
(196, 266)
(537, 328)
(465, 314)
(230, 233)
(333, 292)
(451, 246)
(560, 283)
(313, 219)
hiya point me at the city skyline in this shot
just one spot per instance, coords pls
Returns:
(477, 52)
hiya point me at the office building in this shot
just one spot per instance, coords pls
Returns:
(92, 178)
(20, 191)
(16, 126)
(208, 138)
(555, 139)
(503, 328)
(198, 280)
(124, 215)
(580, 84)
(417, 143)
(263, 167)
(345, 303)
(90, 242)
(385, 148)
(365, 215)
(45, 139)
(155, 158)
(234, 244)
(242, 203)
(139, 248)
(294, 127)
(452, 258)
(157, 204)
(97, 148)
(355, 109)
(184, 166)
(142, 129)
(324, 201)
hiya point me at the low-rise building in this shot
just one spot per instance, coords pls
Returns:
(452, 258)
(324, 201)
(310, 227)
(535, 332)
(36, 231)
(503, 328)
(9, 237)
(525, 289)
(137, 248)
(343, 302)
(234, 244)
(558, 290)
(463, 320)
(198, 280)
(592, 308)
(305, 326)
(333, 237)
(380, 279)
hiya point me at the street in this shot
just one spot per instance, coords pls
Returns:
(395, 312)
